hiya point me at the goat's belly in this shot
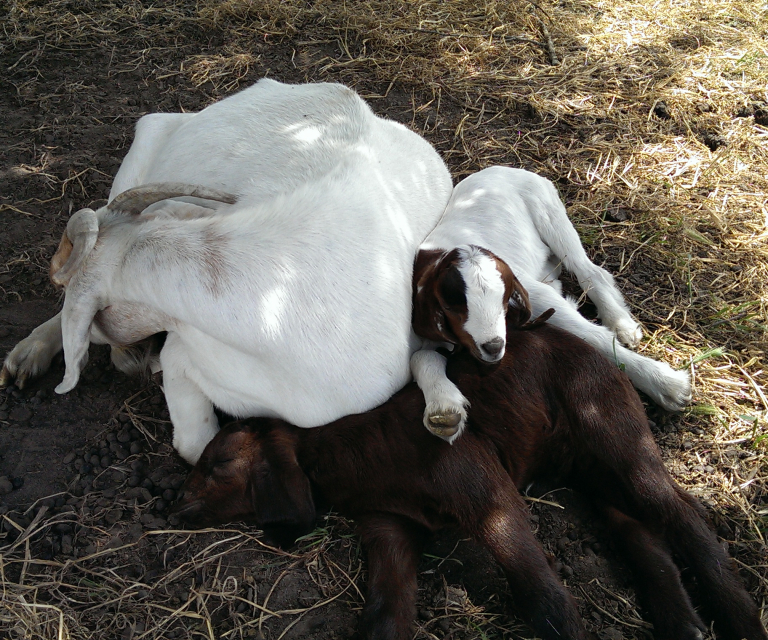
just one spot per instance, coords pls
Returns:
(308, 393)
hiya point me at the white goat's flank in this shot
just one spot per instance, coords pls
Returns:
(296, 300)
(485, 298)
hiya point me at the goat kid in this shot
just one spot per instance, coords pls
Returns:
(306, 204)
(552, 408)
(460, 291)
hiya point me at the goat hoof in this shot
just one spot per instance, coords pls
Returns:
(5, 378)
(444, 425)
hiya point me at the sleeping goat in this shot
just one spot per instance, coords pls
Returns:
(272, 237)
(552, 408)
(461, 292)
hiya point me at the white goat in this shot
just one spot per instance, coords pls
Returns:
(289, 298)
(460, 290)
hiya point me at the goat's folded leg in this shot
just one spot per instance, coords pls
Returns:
(557, 231)
(446, 412)
(192, 415)
(537, 592)
(393, 545)
(657, 580)
(32, 356)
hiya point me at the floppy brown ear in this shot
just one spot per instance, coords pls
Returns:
(280, 490)
(430, 271)
(519, 307)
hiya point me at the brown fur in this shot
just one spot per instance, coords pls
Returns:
(552, 409)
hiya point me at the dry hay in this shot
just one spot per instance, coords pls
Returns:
(652, 118)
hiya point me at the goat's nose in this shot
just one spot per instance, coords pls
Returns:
(493, 347)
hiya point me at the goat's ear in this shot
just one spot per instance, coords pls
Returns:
(61, 256)
(429, 319)
(519, 307)
(280, 490)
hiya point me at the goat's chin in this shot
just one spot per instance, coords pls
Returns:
(485, 358)
(195, 514)
(189, 512)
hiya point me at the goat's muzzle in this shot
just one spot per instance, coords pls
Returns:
(493, 350)
(186, 508)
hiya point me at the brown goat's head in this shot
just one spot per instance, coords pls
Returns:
(249, 472)
(465, 297)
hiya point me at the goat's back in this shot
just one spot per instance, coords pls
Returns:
(499, 208)
(552, 403)
(270, 297)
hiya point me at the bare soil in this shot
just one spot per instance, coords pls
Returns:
(85, 539)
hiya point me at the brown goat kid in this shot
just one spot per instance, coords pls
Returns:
(552, 409)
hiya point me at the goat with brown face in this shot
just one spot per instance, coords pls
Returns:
(459, 286)
(554, 409)
(443, 310)
(461, 298)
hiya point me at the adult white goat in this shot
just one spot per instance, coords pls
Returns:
(291, 297)
(461, 291)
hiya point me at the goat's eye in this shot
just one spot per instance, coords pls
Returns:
(452, 289)
(220, 465)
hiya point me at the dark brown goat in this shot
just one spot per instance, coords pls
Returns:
(553, 408)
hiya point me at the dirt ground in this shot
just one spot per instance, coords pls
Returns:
(86, 479)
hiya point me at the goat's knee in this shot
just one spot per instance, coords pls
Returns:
(32, 356)
(612, 309)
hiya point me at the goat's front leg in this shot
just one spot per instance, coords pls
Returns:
(668, 388)
(539, 596)
(658, 582)
(33, 355)
(393, 545)
(194, 422)
(446, 412)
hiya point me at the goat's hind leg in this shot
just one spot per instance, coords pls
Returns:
(559, 234)
(668, 388)
(33, 355)
(735, 613)
(652, 497)
(657, 579)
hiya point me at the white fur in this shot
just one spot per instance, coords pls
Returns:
(442, 396)
(332, 203)
(485, 300)
(519, 216)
